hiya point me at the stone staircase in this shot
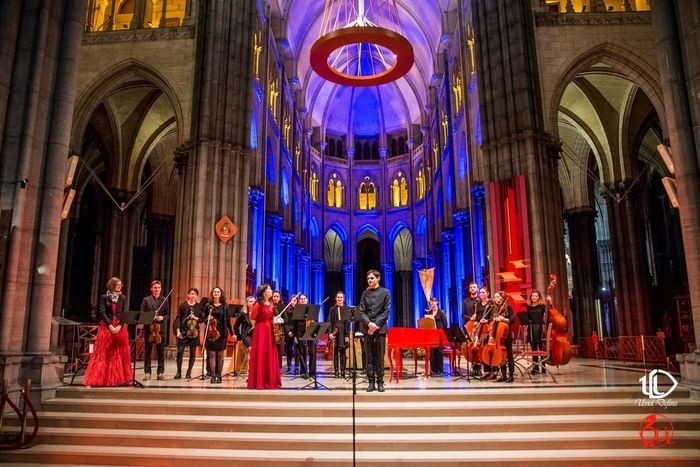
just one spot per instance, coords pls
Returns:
(508, 426)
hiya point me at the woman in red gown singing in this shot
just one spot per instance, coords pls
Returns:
(110, 363)
(264, 368)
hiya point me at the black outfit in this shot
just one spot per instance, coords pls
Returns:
(105, 309)
(288, 341)
(508, 341)
(280, 346)
(185, 310)
(243, 329)
(216, 348)
(436, 358)
(535, 331)
(340, 344)
(307, 351)
(469, 307)
(482, 310)
(374, 307)
(152, 303)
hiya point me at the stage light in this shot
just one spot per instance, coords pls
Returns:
(670, 186)
(67, 202)
(71, 166)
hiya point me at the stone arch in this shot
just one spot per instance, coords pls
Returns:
(624, 63)
(111, 80)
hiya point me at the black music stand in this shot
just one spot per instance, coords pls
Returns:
(345, 316)
(302, 313)
(457, 337)
(312, 334)
(357, 331)
(136, 317)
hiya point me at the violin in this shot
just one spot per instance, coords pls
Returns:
(213, 333)
(494, 352)
(155, 337)
(560, 345)
(192, 327)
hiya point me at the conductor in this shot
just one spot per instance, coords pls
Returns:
(374, 306)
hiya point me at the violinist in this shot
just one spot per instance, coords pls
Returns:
(339, 334)
(289, 335)
(278, 325)
(536, 312)
(503, 316)
(187, 329)
(243, 336)
(482, 311)
(152, 303)
(469, 303)
(218, 325)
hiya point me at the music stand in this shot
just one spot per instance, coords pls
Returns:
(456, 336)
(355, 322)
(312, 334)
(302, 313)
(136, 317)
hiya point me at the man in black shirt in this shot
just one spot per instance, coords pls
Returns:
(152, 303)
(374, 308)
(469, 304)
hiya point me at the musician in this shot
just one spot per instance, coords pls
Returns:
(504, 316)
(536, 312)
(436, 359)
(218, 327)
(309, 348)
(339, 334)
(481, 314)
(469, 303)
(374, 308)
(186, 329)
(243, 335)
(152, 303)
(278, 323)
(289, 336)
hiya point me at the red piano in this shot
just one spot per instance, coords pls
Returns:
(412, 338)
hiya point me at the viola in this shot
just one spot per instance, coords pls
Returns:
(192, 328)
(560, 345)
(213, 333)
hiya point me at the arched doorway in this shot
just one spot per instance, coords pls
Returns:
(368, 257)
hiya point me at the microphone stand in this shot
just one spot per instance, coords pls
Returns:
(203, 375)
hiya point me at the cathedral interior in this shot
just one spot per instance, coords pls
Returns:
(530, 139)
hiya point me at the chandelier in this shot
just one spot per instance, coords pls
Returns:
(361, 43)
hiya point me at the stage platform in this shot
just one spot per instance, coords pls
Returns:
(594, 416)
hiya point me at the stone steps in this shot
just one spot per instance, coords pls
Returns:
(494, 426)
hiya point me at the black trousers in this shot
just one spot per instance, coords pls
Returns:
(436, 361)
(160, 351)
(374, 351)
(510, 362)
(289, 351)
(180, 353)
(339, 359)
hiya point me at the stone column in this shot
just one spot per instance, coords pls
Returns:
(318, 282)
(349, 273)
(463, 256)
(217, 174)
(447, 269)
(274, 251)
(387, 270)
(41, 45)
(584, 263)
(478, 193)
(139, 11)
(676, 35)
(255, 211)
(187, 20)
(163, 20)
(288, 264)
(632, 303)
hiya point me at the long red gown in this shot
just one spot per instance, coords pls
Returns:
(264, 367)
(110, 362)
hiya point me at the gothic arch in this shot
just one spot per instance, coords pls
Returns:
(624, 63)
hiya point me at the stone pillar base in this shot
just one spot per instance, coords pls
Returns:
(690, 372)
(45, 371)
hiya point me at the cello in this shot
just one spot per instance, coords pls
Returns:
(477, 333)
(560, 345)
(494, 353)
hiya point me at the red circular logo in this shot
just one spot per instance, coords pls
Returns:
(656, 431)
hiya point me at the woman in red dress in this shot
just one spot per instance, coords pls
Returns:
(110, 363)
(264, 369)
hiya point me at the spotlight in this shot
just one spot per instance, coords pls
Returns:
(665, 152)
(71, 165)
(670, 186)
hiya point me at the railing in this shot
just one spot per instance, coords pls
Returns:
(140, 14)
(21, 438)
(640, 349)
(597, 6)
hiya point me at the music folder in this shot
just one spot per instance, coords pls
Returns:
(233, 310)
(138, 317)
(346, 312)
(525, 318)
(315, 331)
(304, 312)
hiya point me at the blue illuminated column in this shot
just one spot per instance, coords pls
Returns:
(349, 273)
(287, 285)
(317, 285)
(255, 211)
(463, 262)
(388, 283)
(273, 253)
(478, 206)
(419, 303)
(448, 241)
(302, 271)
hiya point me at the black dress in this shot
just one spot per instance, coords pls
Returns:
(223, 325)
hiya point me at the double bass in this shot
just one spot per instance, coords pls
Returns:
(560, 345)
